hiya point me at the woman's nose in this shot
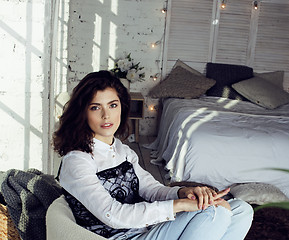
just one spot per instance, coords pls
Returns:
(105, 114)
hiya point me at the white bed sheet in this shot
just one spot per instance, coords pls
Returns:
(219, 142)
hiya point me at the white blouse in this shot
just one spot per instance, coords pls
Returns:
(78, 177)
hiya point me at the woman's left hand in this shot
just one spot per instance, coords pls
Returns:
(205, 195)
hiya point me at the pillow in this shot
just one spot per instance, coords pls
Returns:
(262, 92)
(257, 193)
(275, 78)
(181, 83)
(226, 75)
(187, 67)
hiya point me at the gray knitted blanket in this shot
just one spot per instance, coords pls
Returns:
(28, 195)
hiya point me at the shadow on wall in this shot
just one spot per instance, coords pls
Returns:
(101, 32)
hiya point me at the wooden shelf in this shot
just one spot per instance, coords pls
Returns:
(136, 111)
(136, 105)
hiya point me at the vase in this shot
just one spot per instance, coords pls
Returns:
(125, 83)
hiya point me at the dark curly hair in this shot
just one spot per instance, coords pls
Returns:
(74, 132)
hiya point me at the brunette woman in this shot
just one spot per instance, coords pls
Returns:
(111, 195)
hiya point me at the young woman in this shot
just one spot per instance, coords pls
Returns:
(111, 195)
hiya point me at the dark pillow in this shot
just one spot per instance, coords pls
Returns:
(226, 75)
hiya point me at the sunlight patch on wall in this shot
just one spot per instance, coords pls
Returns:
(112, 44)
(114, 6)
(97, 43)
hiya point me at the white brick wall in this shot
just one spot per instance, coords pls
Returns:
(102, 31)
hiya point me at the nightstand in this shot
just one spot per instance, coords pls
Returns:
(136, 111)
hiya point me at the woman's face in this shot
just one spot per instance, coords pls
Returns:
(104, 114)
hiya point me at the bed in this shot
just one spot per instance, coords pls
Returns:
(207, 137)
(219, 141)
(227, 128)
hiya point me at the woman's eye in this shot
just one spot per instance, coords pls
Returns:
(93, 108)
(114, 105)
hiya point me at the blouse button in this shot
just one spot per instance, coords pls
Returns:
(113, 156)
(168, 218)
(147, 225)
(107, 215)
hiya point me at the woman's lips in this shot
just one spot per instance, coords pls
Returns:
(107, 125)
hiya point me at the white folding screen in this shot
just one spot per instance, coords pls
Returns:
(272, 43)
(232, 32)
(188, 32)
(199, 31)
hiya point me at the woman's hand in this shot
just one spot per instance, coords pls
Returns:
(204, 195)
(189, 205)
(185, 205)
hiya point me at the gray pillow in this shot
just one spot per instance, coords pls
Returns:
(182, 83)
(257, 193)
(275, 78)
(263, 93)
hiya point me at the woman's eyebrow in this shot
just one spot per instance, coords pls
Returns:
(116, 100)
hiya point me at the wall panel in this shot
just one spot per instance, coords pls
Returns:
(189, 32)
(200, 31)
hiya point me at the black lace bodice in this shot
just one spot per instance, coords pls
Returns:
(122, 184)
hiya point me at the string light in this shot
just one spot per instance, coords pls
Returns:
(165, 7)
(152, 108)
(255, 3)
(223, 4)
(155, 77)
(153, 45)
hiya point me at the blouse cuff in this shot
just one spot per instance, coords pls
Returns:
(168, 211)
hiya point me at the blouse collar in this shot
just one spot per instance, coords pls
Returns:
(100, 146)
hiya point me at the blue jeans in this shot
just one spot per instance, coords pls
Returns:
(214, 223)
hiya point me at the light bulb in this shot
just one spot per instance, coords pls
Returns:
(255, 5)
(223, 5)
(153, 45)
